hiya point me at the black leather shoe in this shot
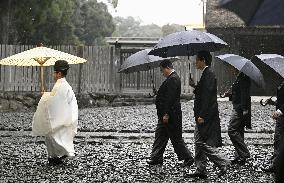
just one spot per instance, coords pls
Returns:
(242, 161)
(155, 162)
(196, 175)
(63, 157)
(239, 161)
(270, 169)
(188, 162)
(223, 171)
(54, 161)
(50, 161)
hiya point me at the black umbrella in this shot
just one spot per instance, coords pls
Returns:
(187, 43)
(257, 12)
(272, 68)
(141, 61)
(245, 66)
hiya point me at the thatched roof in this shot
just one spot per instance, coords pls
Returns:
(216, 17)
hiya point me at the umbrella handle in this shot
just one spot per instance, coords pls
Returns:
(226, 93)
(222, 95)
(154, 89)
(190, 78)
(42, 80)
(267, 102)
(151, 96)
(189, 71)
(263, 103)
(154, 93)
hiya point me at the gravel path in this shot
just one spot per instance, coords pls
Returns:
(140, 118)
(99, 159)
(114, 142)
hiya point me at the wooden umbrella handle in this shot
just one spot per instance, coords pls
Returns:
(42, 80)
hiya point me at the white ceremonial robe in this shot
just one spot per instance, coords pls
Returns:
(56, 118)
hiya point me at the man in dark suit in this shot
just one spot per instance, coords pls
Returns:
(241, 116)
(207, 133)
(279, 129)
(169, 118)
(279, 174)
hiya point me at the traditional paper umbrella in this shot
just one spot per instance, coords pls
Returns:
(40, 56)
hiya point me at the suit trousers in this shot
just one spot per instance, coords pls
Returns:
(236, 134)
(278, 138)
(172, 131)
(204, 151)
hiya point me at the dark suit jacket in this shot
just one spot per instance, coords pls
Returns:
(280, 98)
(168, 96)
(241, 97)
(206, 107)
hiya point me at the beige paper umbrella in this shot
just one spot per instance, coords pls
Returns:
(40, 56)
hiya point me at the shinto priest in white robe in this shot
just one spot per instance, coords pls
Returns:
(56, 118)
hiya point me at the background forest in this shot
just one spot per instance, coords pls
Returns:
(69, 22)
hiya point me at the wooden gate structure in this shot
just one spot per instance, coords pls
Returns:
(141, 82)
(99, 74)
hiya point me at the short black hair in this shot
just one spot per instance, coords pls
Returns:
(61, 66)
(64, 72)
(206, 56)
(166, 64)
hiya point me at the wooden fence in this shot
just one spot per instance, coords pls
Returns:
(99, 73)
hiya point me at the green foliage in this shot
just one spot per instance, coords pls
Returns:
(130, 27)
(93, 22)
(171, 28)
(54, 22)
(113, 2)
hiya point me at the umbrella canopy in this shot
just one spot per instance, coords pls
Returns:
(40, 56)
(141, 61)
(257, 12)
(187, 43)
(272, 68)
(245, 66)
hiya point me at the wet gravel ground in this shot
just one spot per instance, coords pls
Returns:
(121, 156)
(140, 118)
(23, 159)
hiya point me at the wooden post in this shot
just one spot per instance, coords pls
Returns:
(138, 80)
(118, 58)
(113, 72)
(80, 54)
